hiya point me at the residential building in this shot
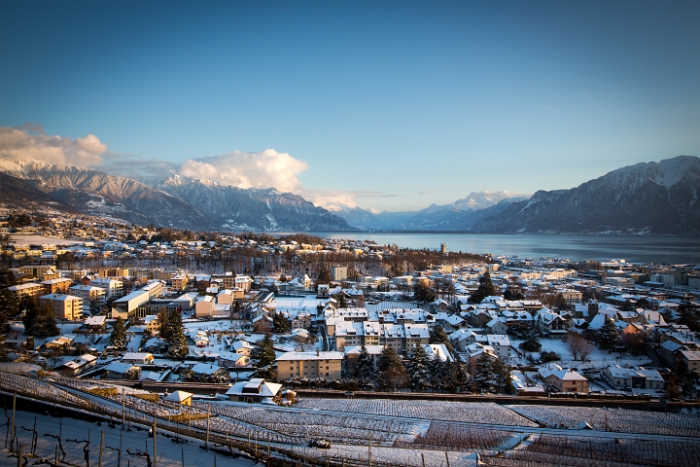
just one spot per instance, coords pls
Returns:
(138, 358)
(27, 290)
(180, 397)
(113, 288)
(620, 378)
(232, 360)
(564, 380)
(204, 307)
(309, 365)
(121, 370)
(254, 391)
(37, 271)
(77, 366)
(66, 307)
(93, 297)
(53, 286)
(96, 323)
(339, 273)
(179, 281)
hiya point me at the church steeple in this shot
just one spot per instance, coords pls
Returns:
(592, 307)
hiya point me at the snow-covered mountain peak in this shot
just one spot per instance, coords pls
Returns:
(485, 199)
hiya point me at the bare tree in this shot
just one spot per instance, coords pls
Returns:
(579, 346)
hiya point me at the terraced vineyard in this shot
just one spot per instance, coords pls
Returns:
(475, 412)
(623, 420)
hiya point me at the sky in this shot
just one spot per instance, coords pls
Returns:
(381, 105)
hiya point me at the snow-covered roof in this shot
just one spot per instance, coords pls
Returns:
(119, 367)
(438, 351)
(95, 320)
(137, 356)
(293, 356)
(203, 368)
(178, 396)
(371, 350)
(256, 387)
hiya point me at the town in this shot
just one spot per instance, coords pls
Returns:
(269, 320)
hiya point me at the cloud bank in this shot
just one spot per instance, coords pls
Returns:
(30, 142)
(264, 169)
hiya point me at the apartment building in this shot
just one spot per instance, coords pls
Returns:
(27, 290)
(65, 307)
(112, 287)
(309, 365)
(60, 285)
(92, 296)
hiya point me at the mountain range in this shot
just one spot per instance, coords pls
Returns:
(646, 198)
(174, 201)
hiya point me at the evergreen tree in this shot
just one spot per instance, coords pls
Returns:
(3, 350)
(486, 288)
(438, 370)
(418, 366)
(280, 323)
(459, 376)
(530, 345)
(608, 335)
(118, 337)
(365, 365)
(392, 372)
(176, 340)
(689, 315)
(441, 337)
(423, 293)
(9, 304)
(45, 322)
(263, 355)
(164, 329)
(501, 376)
(39, 321)
(484, 372)
(31, 314)
(324, 276)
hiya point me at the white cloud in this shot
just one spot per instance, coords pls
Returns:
(333, 200)
(264, 169)
(30, 142)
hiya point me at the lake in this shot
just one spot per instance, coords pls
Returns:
(636, 249)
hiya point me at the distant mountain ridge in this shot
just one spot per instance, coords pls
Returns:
(461, 215)
(647, 198)
(172, 201)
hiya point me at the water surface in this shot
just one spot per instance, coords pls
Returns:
(637, 249)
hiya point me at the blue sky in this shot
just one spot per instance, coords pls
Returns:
(390, 105)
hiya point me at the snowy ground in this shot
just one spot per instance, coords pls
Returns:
(597, 359)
